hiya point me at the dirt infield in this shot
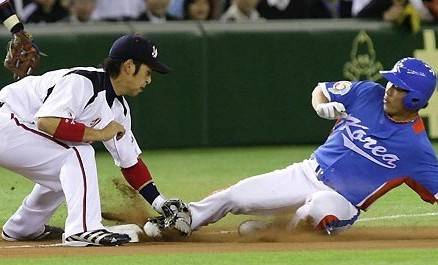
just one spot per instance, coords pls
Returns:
(215, 241)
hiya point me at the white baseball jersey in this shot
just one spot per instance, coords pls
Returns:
(84, 94)
(61, 170)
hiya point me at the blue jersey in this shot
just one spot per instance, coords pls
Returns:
(367, 154)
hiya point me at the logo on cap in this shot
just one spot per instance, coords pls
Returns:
(154, 52)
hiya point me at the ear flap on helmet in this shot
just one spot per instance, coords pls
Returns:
(414, 100)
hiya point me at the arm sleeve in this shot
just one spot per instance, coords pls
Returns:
(125, 151)
(345, 92)
(6, 10)
(67, 98)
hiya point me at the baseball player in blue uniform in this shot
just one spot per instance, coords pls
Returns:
(378, 143)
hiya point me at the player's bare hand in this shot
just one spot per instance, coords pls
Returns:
(331, 110)
(113, 129)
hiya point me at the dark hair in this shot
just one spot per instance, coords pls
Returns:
(112, 66)
(186, 9)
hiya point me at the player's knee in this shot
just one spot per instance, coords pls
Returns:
(329, 211)
(315, 208)
(85, 150)
(319, 205)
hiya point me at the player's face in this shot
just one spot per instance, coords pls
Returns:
(137, 82)
(393, 101)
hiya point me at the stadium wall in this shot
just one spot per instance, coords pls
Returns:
(235, 84)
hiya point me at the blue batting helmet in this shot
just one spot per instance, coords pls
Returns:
(414, 76)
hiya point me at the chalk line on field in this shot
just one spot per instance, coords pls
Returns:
(369, 219)
(34, 246)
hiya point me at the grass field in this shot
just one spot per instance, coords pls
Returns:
(193, 173)
(338, 257)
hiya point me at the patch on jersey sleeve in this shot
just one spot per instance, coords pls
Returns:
(340, 88)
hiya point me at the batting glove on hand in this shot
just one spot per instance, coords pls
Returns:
(331, 110)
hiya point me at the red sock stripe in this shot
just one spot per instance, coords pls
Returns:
(326, 221)
(138, 175)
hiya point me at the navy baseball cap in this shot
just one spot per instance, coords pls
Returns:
(136, 47)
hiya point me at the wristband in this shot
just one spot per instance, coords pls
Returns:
(13, 22)
(70, 130)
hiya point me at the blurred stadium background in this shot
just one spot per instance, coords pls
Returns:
(240, 78)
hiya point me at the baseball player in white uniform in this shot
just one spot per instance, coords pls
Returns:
(46, 125)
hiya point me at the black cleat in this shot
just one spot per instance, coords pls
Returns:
(49, 233)
(100, 237)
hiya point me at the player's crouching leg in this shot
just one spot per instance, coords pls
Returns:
(326, 211)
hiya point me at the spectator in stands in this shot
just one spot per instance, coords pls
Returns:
(392, 10)
(373, 8)
(338, 8)
(242, 10)
(432, 8)
(81, 10)
(176, 8)
(45, 11)
(288, 9)
(118, 10)
(198, 9)
(156, 11)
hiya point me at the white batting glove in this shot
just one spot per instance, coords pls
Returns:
(331, 110)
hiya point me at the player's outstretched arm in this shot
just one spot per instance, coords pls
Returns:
(22, 56)
(324, 108)
(69, 130)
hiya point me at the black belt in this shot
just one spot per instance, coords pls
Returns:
(319, 172)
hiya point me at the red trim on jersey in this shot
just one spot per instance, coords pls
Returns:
(69, 130)
(138, 175)
(326, 221)
(84, 211)
(418, 126)
(417, 187)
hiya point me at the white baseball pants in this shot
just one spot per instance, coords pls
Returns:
(60, 172)
(295, 188)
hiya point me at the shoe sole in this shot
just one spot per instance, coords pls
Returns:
(78, 244)
(8, 238)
